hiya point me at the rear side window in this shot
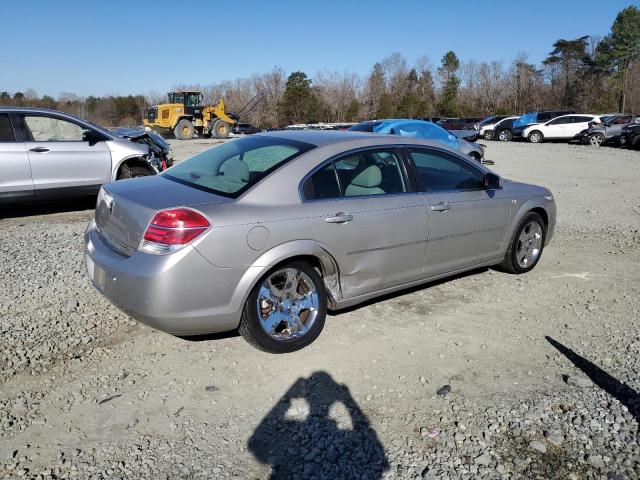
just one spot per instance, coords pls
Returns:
(581, 119)
(438, 172)
(234, 167)
(6, 132)
(370, 172)
(322, 185)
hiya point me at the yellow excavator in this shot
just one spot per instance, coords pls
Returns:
(184, 115)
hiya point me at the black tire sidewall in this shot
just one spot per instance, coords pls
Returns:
(139, 172)
(216, 124)
(531, 216)
(507, 134)
(177, 130)
(255, 334)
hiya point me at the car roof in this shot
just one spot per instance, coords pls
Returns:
(31, 109)
(318, 137)
(48, 111)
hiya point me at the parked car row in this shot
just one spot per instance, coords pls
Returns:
(422, 129)
(563, 125)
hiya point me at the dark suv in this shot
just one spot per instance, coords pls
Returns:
(531, 118)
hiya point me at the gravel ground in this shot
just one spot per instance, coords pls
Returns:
(486, 375)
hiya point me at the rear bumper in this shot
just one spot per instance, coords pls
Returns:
(179, 293)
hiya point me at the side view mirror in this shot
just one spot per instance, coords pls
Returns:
(492, 181)
(91, 137)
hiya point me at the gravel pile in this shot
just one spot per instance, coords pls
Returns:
(47, 307)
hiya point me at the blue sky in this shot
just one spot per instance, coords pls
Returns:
(122, 47)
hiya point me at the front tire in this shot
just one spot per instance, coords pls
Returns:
(286, 310)
(525, 248)
(488, 135)
(505, 135)
(221, 129)
(596, 139)
(535, 137)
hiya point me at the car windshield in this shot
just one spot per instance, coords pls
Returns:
(234, 167)
(488, 120)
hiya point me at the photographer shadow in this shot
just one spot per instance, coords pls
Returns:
(305, 436)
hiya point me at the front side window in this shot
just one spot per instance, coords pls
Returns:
(6, 132)
(581, 119)
(234, 167)
(621, 120)
(192, 100)
(438, 172)
(560, 121)
(49, 129)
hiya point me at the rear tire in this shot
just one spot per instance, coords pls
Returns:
(184, 130)
(527, 243)
(221, 129)
(505, 135)
(535, 137)
(286, 310)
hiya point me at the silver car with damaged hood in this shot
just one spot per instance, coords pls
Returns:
(265, 233)
(45, 154)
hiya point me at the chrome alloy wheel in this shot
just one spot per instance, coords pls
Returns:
(287, 304)
(535, 137)
(529, 245)
(596, 140)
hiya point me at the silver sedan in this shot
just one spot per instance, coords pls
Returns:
(264, 234)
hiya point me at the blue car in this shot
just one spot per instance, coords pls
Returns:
(421, 129)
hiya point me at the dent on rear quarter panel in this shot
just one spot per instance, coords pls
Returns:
(227, 244)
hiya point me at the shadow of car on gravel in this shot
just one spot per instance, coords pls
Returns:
(614, 387)
(308, 441)
(74, 204)
(336, 313)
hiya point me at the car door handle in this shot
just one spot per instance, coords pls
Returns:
(440, 207)
(39, 149)
(339, 218)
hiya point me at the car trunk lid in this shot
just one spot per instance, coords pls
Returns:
(125, 208)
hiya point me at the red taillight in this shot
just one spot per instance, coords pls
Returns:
(177, 226)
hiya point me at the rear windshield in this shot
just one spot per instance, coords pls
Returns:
(234, 167)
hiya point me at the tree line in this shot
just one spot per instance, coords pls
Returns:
(587, 74)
